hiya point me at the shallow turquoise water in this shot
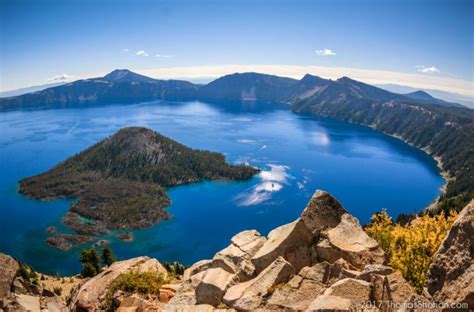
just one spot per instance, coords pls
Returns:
(364, 169)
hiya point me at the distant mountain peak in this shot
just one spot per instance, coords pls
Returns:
(125, 75)
(420, 95)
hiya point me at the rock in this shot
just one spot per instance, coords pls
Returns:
(135, 303)
(8, 269)
(249, 295)
(167, 292)
(213, 285)
(55, 304)
(22, 286)
(357, 291)
(18, 287)
(196, 268)
(451, 274)
(301, 290)
(348, 241)
(24, 303)
(291, 241)
(248, 241)
(237, 255)
(322, 212)
(91, 294)
(330, 303)
(400, 290)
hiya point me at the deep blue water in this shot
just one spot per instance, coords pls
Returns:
(364, 169)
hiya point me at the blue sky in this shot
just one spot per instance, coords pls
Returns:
(419, 43)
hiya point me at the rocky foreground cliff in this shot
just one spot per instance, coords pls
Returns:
(322, 261)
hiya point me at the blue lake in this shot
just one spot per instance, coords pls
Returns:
(364, 169)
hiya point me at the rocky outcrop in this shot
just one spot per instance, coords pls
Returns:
(90, 296)
(451, 274)
(347, 240)
(321, 261)
(8, 269)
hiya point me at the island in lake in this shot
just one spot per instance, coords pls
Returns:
(120, 182)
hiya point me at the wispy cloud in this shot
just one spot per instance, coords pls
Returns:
(125, 50)
(325, 52)
(164, 55)
(62, 77)
(141, 53)
(427, 69)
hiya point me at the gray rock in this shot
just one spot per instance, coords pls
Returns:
(322, 212)
(349, 241)
(249, 295)
(8, 269)
(291, 241)
(451, 274)
(213, 285)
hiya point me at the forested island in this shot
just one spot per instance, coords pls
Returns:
(120, 182)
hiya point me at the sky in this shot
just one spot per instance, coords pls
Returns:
(420, 43)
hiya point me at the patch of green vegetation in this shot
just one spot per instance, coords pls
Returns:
(143, 283)
(175, 269)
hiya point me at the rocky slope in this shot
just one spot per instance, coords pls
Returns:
(322, 261)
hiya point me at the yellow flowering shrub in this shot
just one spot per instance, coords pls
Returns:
(411, 247)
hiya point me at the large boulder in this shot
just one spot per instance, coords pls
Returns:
(323, 211)
(451, 274)
(8, 269)
(349, 241)
(23, 303)
(291, 241)
(243, 247)
(90, 296)
(213, 285)
(249, 295)
(357, 291)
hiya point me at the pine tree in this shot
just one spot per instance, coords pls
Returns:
(108, 256)
(90, 262)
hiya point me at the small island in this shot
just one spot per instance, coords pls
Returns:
(120, 182)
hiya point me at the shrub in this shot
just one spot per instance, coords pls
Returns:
(143, 283)
(411, 247)
(57, 291)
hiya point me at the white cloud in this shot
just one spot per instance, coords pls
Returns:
(125, 50)
(325, 52)
(142, 53)
(427, 69)
(371, 76)
(164, 55)
(62, 77)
